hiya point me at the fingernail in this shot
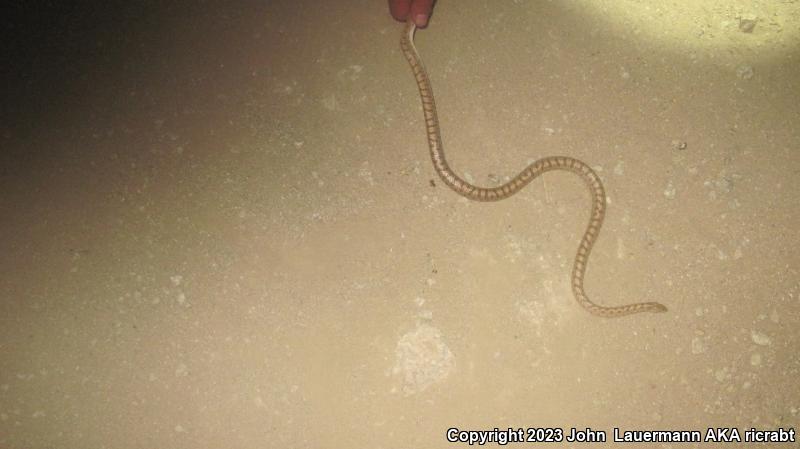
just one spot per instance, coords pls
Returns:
(421, 20)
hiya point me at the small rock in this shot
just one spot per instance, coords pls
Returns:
(181, 370)
(697, 346)
(679, 145)
(760, 338)
(723, 185)
(468, 177)
(744, 72)
(747, 24)
(670, 191)
(722, 374)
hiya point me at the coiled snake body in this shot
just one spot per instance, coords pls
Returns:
(516, 184)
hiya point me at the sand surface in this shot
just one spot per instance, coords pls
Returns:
(221, 229)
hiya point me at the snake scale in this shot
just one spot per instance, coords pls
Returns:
(516, 184)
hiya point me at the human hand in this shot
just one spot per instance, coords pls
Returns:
(419, 10)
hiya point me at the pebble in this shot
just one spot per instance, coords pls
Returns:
(679, 145)
(468, 177)
(669, 191)
(745, 72)
(760, 338)
(697, 346)
(747, 24)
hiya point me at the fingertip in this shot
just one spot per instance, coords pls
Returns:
(421, 12)
(399, 9)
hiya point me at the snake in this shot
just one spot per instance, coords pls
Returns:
(517, 183)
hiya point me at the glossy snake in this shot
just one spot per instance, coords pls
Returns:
(516, 184)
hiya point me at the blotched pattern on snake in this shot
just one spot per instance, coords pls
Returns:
(516, 184)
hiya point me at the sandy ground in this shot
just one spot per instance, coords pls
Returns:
(221, 227)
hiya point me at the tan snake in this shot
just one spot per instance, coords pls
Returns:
(516, 184)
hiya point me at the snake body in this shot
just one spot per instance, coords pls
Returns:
(516, 184)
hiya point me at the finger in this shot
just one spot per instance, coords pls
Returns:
(421, 12)
(399, 9)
